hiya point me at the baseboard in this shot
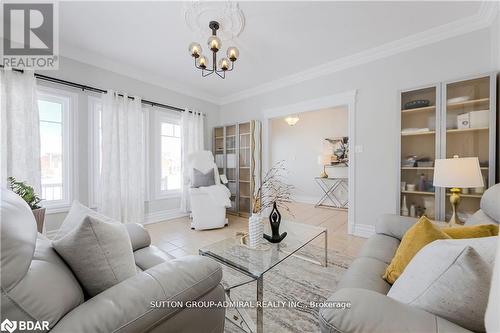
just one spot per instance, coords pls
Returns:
(306, 199)
(153, 217)
(164, 215)
(363, 230)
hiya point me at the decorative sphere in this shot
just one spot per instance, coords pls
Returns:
(202, 62)
(224, 64)
(195, 49)
(233, 53)
(214, 43)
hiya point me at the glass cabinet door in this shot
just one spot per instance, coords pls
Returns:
(219, 148)
(231, 164)
(467, 121)
(245, 188)
(419, 133)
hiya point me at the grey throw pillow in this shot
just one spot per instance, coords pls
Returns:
(201, 179)
(449, 279)
(98, 252)
(76, 215)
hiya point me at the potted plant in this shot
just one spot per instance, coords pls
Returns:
(273, 193)
(32, 199)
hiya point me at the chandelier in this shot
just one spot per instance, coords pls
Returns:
(214, 43)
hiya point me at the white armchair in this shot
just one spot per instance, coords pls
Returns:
(208, 203)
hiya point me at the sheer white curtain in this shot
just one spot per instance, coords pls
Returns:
(193, 139)
(121, 185)
(20, 128)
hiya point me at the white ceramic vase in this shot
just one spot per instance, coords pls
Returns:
(255, 230)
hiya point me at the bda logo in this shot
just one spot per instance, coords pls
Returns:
(8, 325)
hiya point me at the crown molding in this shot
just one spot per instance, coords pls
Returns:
(483, 18)
(100, 61)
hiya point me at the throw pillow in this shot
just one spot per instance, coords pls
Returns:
(419, 235)
(449, 280)
(472, 231)
(201, 179)
(76, 215)
(99, 254)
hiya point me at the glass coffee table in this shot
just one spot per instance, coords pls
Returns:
(254, 263)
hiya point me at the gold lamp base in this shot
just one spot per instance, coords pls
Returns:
(323, 174)
(455, 200)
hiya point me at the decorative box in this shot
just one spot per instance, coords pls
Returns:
(479, 118)
(463, 120)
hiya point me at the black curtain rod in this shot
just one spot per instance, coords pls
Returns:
(94, 89)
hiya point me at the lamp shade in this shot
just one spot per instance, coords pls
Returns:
(458, 172)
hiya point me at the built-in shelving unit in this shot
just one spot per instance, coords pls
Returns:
(421, 144)
(459, 120)
(477, 139)
(238, 156)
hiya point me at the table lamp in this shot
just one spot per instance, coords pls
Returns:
(457, 173)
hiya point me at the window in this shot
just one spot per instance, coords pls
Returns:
(169, 168)
(55, 146)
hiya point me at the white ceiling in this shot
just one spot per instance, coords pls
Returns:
(149, 40)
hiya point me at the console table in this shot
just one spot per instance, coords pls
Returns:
(337, 179)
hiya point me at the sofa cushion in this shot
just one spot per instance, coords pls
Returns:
(419, 235)
(99, 253)
(75, 217)
(380, 247)
(365, 273)
(448, 279)
(394, 225)
(35, 281)
(479, 217)
(492, 319)
(150, 256)
(490, 202)
(139, 237)
(472, 231)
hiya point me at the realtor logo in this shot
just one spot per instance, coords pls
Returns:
(8, 326)
(30, 35)
(23, 325)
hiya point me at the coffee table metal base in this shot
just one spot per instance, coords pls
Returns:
(241, 318)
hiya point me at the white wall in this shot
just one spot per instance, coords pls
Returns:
(75, 71)
(376, 125)
(300, 145)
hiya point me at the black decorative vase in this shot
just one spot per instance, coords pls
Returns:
(275, 220)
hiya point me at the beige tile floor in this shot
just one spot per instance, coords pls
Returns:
(177, 238)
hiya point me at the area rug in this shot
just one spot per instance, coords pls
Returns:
(292, 281)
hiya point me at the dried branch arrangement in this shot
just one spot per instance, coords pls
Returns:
(273, 189)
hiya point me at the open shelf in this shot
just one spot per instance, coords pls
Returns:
(418, 133)
(458, 130)
(468, 103)
(416, 110)
(417, 168)
(418, 192)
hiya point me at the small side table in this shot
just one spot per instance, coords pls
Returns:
(329, 186)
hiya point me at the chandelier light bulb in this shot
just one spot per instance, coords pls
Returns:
(233, 53)
(202, 62)
(214, 43)
(195, 49)
(224, 64)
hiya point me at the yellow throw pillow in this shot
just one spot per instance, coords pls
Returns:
(472, 231)
(419, 235)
